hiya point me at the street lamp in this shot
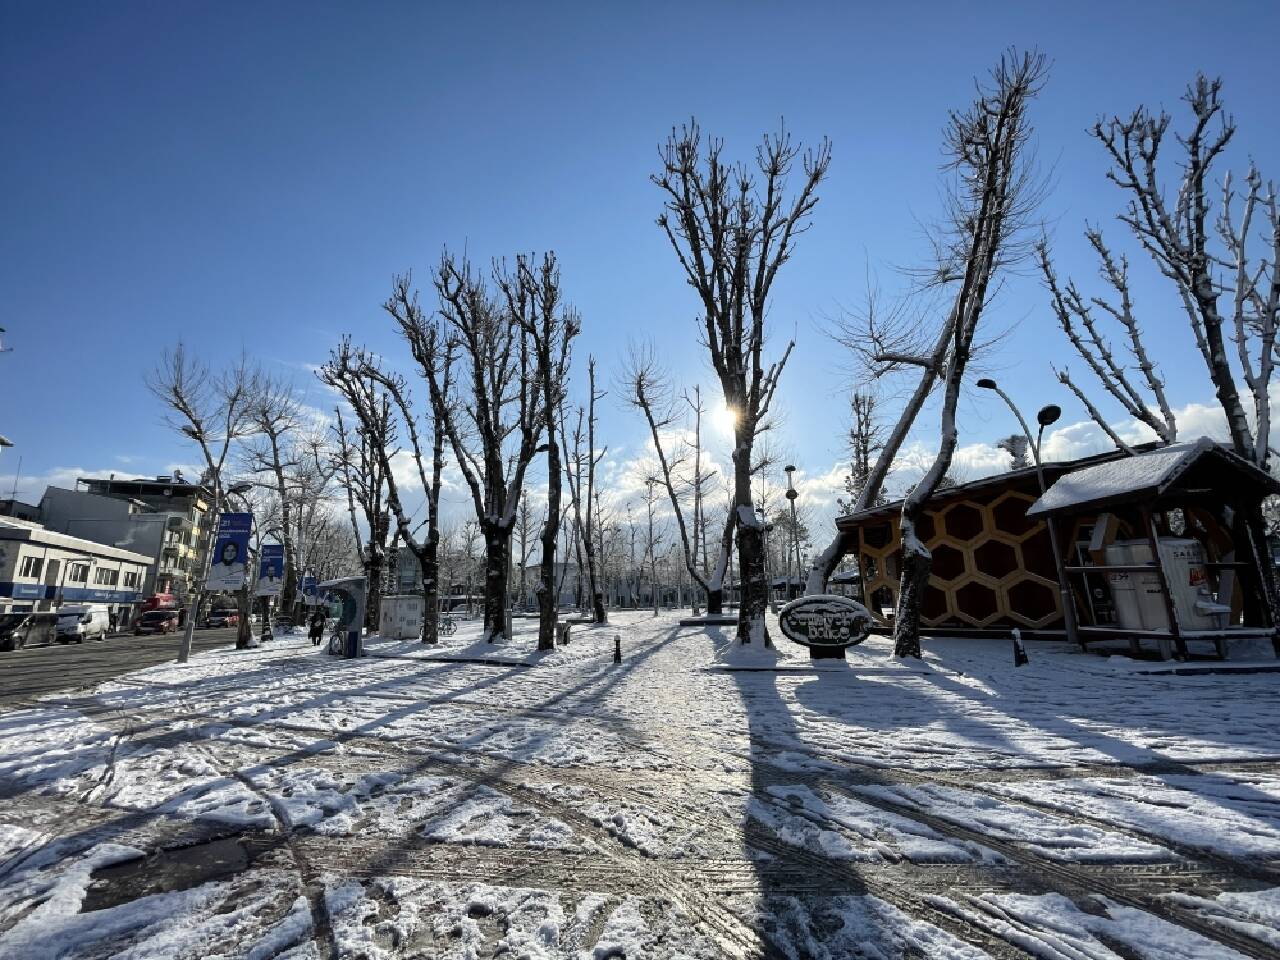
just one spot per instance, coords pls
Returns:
(184, 646)
(792, 493)
(1046, 416)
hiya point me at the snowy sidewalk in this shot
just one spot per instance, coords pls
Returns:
(698, 800)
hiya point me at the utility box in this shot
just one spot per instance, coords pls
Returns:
(400, 617)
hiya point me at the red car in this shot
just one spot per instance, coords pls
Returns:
(156, 621)
(222, 618)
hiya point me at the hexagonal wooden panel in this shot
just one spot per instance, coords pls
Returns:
(992, 565)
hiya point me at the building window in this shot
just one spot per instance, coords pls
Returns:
(31, 566)
(78, 573)
(131, 578)
(106, 577)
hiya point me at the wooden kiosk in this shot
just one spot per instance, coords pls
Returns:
(994, 569)
(1170, 553)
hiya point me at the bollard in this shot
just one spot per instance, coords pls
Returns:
(563, 630)
(1020, 657)
(617, 648)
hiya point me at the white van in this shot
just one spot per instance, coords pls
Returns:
(80, 621)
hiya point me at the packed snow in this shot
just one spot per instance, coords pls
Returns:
(700, 799)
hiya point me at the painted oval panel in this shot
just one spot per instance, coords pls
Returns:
(825, 620)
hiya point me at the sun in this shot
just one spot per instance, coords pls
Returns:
(724, 418)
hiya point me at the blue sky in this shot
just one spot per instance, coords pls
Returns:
(251, 175)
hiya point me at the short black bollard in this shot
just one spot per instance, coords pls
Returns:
(617, 648)
(1020, 657)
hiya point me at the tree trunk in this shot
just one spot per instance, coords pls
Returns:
(916, 564)
(547, 594)
(431, 549)
(430, 563)
(752, 582)
(244, 632)
(498, 545)
(373, 589)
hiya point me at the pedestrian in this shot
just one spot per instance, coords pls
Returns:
(112, 620)
(317, 627)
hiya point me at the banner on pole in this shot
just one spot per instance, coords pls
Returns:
(310, 590)
(227, 566)
(270, 570)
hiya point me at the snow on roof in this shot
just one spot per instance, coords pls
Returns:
(1118, 478)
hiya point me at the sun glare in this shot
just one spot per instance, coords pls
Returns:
(724, 418)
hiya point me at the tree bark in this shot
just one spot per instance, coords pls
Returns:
(547, 594)
(752, 582)
(917, 562)
(497, 551)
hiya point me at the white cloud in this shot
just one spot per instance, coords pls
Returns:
(31, 486)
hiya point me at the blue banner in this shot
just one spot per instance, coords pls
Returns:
(271, 570)
(310, 590)
(228, 565)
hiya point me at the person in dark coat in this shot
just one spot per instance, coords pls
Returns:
(317, 627)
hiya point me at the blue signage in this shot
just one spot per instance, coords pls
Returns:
(227, 566)
(271, 570)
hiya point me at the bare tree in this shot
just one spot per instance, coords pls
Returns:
(274, 411)
(533, 298)
(361, 460)
(1224, 270)
(468, 537)
(320, 550)
(212, 410)
(652, 539)
(865, 336)
(584, 496)
(495, 428)
(699, 480)
(524, 527)
(866, 441)
(731, 235)
(1180, 239)
(1075, 316)
(990, 204)
(648, 389)
(434, 354)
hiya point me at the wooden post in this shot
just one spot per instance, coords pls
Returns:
(1256, 585)
(862, 574)
(1174, 629)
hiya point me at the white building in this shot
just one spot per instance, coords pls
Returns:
(41, 569)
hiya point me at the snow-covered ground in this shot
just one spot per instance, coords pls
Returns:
(699, 799)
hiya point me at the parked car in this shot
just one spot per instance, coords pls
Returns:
(80, 621)
(159, 601)
(156, 621)
(13, 631)
(17, 630)
(222, 618)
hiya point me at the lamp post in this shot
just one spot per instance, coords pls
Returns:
(1046, 416)
(184, 646)
(792, 493)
